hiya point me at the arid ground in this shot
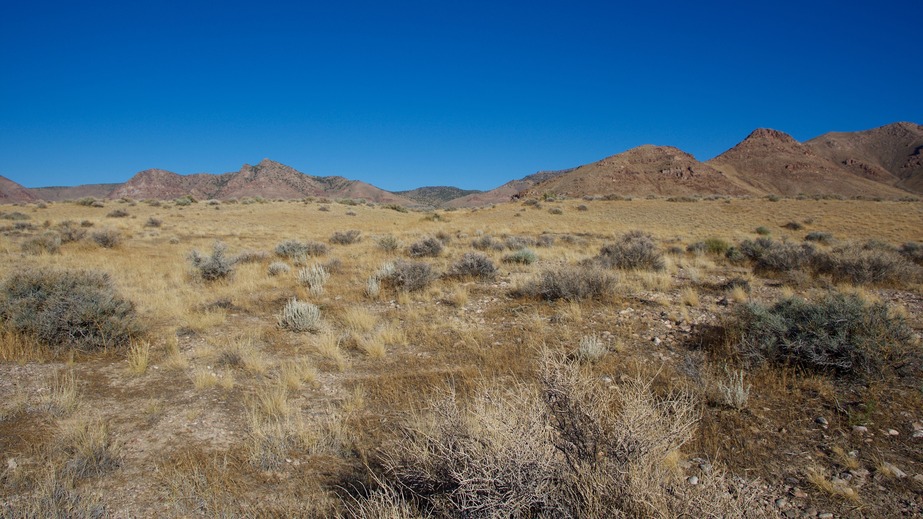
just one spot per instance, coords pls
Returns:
(530, 359)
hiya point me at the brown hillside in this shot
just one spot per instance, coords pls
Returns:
(645, 170)
(268, 179)
(506, 191)
(11, 192)
(774, 162)
(892, 154)
(60, 193)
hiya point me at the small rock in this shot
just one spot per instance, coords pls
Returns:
(656, 341)
(892, 432)
(11, 463)
(692, 480)
(917, 426)
(781, 502)
(821, 421)
(798, 493)
(606, 380)
(825, 515)
(917, 435)
(918, 478)
(896, 472)
(860, 429)
(859, 473)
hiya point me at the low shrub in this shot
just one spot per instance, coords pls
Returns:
(427, 247)
(763, 231)
(388, 243)
(522, 256)
(250, 256)
(409, 276)
(49, 242)
(912, 251)
(473, 265)
(793, 226)
(517, 242)
(300, 316)
(314, 277)
(298, 251)
(153, 222)
(345, 238)
(277, 268)
(215, 267)
(556, 210)
(107, 238)
(872, 264)
(15, 216)
(820, 237)
(570, 283)
(841, 334)
(769, 256)
(486, 242)
(634, 250)
(118, 213)
(65, 309)
(70, 232)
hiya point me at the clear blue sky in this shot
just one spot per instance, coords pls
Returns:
(403, 94)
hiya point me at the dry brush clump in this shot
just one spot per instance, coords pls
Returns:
(65, 309)
(567, 448)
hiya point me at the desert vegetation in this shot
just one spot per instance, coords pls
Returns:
(729, 357)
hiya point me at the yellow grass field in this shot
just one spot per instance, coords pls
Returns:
(217, 410)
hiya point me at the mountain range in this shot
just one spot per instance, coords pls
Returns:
(885, 162)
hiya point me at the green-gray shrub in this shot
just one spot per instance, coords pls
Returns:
(298, 251)
(486, 242)
(871, 264)
(300, 316)
(107, 238)
(388, 243)
(409, 276)
(214, 267)
(569, 282)
(427, 247)
(841, 334)
(634, 250)
(277, 268)
(522, 256)
(49, 242)
(65, 309)
(473, 265)
(345, 237)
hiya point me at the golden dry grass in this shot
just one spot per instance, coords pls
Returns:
(253, 399)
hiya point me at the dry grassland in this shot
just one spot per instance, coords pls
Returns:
(215, 409)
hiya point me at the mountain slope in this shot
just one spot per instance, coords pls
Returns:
(268, 179)
(505, 192)
(60, 193)
(645, 170)
(774, 162)
(436, 195)
(11, 192)
(891, 154)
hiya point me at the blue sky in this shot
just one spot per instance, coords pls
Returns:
(403, 94)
